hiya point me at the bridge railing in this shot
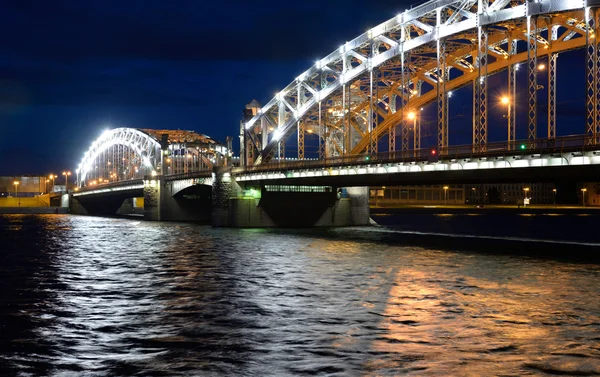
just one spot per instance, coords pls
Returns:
(189, 175)
(563, 144)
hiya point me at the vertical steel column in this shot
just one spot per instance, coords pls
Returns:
(322, 123)
(391, 136)
(417, 120)
(299, 126)
(406, 93)
(348, 146)
(512, 100)
(416, 134)
(590, 74)
(442, 98)
(552, 60)
(532, 79)
(264, 127)
(370, 129)
(343, 125)
(280, 123)
(480, 131)
(475, 120)
(376, 110)
(321, 134)
(249, 150)
(300, 140)
(593, 38)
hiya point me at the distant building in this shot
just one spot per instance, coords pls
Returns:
(426, 194)
(27, 186)
(510, 193)
(592, 193)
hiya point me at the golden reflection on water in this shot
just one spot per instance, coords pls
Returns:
(466, 320)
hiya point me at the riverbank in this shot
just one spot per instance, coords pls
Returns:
(484, 209)
(33, 210)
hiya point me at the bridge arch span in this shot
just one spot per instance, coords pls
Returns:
(131, 154)
(365, 89)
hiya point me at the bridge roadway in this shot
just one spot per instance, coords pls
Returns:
(548, 160)
(224, 190)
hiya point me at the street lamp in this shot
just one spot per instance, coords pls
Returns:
(413, 116)
(445, 195)
(526, 190)
(506, 101)
(52, 176)
(583, 191)
(16, 183)
(554, 194)
(66, 174)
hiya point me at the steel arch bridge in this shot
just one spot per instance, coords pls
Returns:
(124, 154)
(369, 89)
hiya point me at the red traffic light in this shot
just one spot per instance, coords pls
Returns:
(433, 151)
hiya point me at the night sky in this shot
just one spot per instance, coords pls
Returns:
(70, 69)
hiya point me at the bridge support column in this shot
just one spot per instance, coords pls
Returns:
(286, 206)
(152, 193)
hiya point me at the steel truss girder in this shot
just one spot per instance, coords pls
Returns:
(300, 140)
(532, 70)
(372, 122)
(592, 76)
(442, 98)
(552, 61)
(142, 144)
(512, 98)
(480, 121)
(421, 31)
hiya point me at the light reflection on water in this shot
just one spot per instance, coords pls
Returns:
(98, 296)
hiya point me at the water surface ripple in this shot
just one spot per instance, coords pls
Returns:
(109, 297)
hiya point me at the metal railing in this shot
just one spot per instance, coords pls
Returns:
(563, 144)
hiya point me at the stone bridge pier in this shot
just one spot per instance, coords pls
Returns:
(260, 205)
(164, 201)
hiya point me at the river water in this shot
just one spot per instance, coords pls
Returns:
(118, 297)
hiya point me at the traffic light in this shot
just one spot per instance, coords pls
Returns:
(523, 147)
(367, 158)
(433, 155)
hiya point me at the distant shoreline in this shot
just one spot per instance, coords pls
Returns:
(33, 210)
(483, 209)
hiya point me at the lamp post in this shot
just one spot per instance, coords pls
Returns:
(66, 174)
(52, 176)
(16, 183)
(583, 191)
(445, 195)
(413, 116)
(506, 101)
(525, 190)
(554, 196)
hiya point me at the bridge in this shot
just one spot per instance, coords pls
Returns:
(356, 118)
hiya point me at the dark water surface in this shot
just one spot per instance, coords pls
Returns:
(109, 297)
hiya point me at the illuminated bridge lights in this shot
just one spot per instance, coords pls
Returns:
(366, 86)
(124, 154)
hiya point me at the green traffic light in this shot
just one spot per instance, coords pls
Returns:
(367, 158)
(522, 146)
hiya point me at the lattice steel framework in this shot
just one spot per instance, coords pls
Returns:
(552, 95)
(592, 76)
(127, 153)
(512, 97)
(360, 92)
(532, 70)
(442, 98)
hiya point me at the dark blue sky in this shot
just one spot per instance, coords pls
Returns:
(69, 69)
